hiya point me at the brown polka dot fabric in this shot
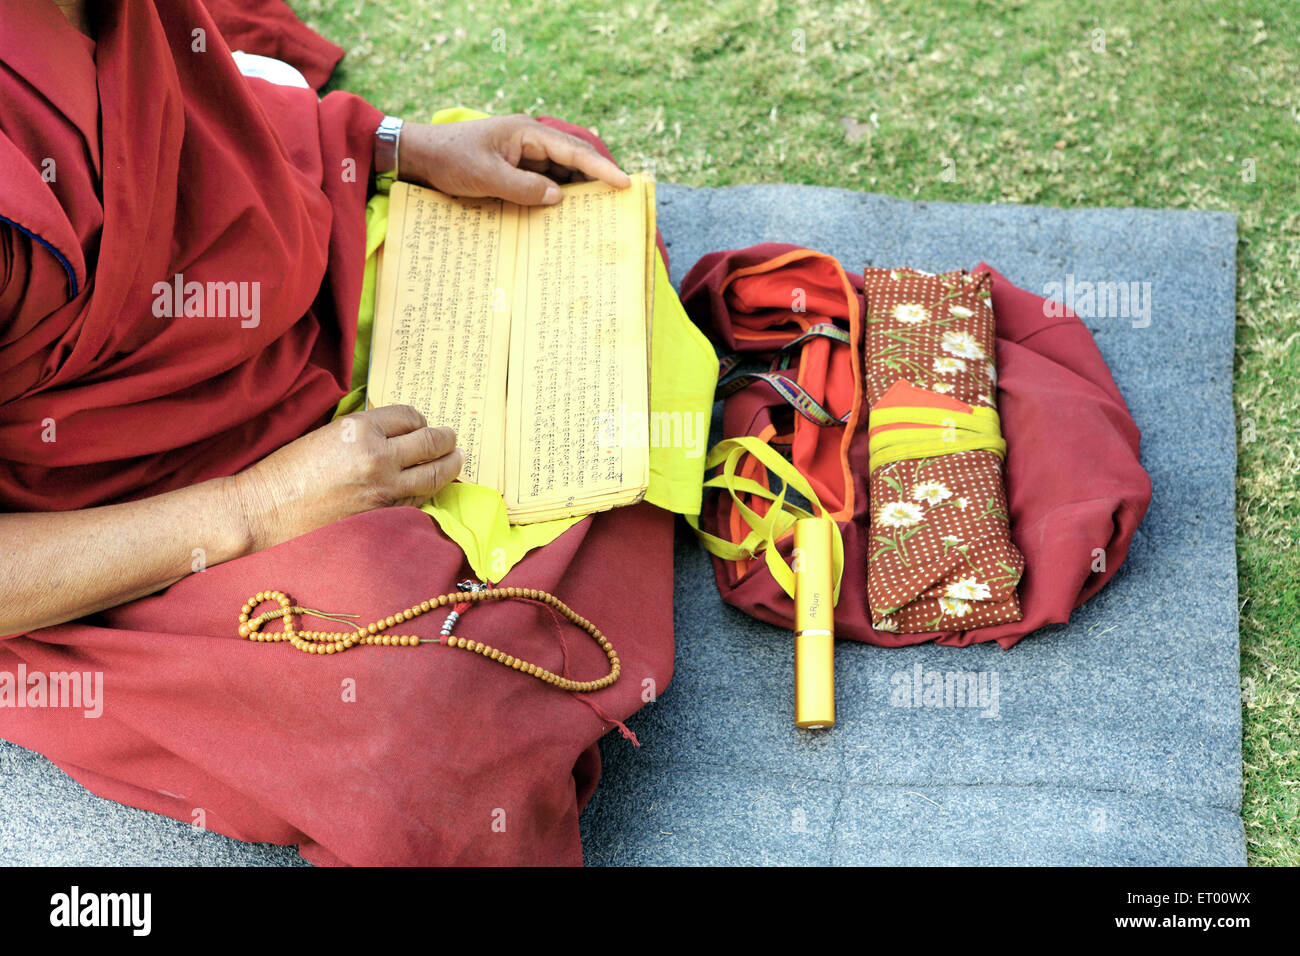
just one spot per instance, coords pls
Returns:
(941, 557)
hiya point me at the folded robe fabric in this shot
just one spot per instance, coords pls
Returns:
(183, 168)
(270, 28)
(377, 756)
(940, 552)
(1076, 490)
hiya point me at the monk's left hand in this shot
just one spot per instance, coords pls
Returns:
(515, 158)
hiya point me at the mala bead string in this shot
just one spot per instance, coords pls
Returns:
(335, 642)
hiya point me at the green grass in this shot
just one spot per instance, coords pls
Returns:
(1014, 100)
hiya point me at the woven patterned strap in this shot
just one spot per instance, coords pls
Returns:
(731, 379)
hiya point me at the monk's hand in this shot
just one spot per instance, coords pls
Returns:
(373, 459)
(515, 158)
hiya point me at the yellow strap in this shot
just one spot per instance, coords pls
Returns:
(957, 431)
(765, 530)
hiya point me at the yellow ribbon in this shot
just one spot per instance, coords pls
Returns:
(764, 530)
(958, 431)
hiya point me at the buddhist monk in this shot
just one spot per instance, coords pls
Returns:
(158, 467)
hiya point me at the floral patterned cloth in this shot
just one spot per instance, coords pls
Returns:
(941, 556)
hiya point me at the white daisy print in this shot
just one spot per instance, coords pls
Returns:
(953, 606)
(899, 514)
(960, 311)
(911, 313)
(942, 387)
(968, 589)
(931, 492)
(961, 503)
(991, 372)
(887, 624)
(951, 540)
(962, 345)
(948, 366)
(985, 399)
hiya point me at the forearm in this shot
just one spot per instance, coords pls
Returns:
(58, 566)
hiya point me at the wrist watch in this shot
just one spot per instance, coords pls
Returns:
(387, 138)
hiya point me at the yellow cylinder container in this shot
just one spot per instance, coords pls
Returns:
(814, 625)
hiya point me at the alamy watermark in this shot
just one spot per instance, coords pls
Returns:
(219, 300)
(660, 429)
(977, 690)
(76, 690)
(1099, 300)
(133, 911)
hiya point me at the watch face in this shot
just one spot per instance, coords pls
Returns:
(386, 138)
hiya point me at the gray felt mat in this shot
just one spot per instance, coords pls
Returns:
(1116, 739)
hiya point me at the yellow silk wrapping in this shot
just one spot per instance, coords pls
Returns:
(956, 431)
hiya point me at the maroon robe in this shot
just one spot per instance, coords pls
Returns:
(167, 161)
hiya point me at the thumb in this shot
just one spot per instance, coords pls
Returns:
(524, 187)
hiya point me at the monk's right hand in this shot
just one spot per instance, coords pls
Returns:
(373, 459)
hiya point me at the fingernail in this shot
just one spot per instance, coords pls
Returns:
(552, 196)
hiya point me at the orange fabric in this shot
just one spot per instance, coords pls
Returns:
(761, 297)
(903, 394)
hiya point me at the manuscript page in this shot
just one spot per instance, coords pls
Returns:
(441, 338)
(578, 395)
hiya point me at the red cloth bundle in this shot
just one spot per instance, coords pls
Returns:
(1075, 488)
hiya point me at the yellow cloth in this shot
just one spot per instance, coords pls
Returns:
(683, 374)
(955, 431)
